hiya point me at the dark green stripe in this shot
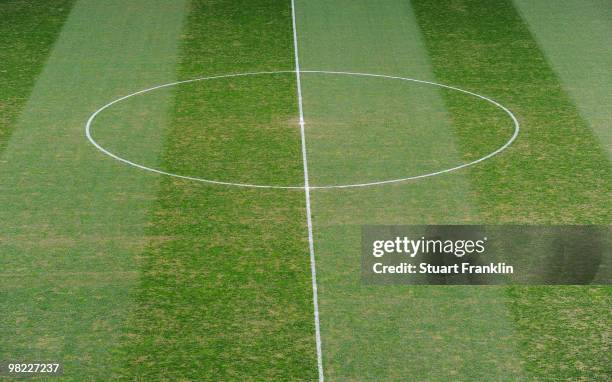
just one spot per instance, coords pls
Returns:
(555, 173)
(225, 295)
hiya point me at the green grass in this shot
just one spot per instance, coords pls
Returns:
(556, 172)
(26, 37)
(225, 293)
(73, 222)
(118, 273)
(574, 36)
(126, 275)
(391, 332)
(557, 158)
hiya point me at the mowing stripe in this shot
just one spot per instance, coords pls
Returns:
(313, 268)
(574, 36)
(28, 35)
(225, 293)
(391, 332)
(72, 226)
(556, 173)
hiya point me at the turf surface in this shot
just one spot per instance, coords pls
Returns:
(72, 224)
(391, 332)
(125, 275)
(574, 37)
(558, 159)
(224, 294)
(26, 37)
(487, 49)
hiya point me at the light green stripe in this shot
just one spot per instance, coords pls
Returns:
(27, 35)
(363, 128)
(72, 221)
(576, 37)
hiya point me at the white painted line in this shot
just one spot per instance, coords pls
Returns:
(88, 127)
(114, 156)
(306, 187)
(313, 267)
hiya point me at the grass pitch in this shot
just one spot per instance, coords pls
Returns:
(26, 39)
(225, 292)
(124, 275)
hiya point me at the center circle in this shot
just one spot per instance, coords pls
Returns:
(106, 151)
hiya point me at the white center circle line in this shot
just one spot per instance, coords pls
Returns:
(88, 131)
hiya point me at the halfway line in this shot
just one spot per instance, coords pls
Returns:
(313, 268)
